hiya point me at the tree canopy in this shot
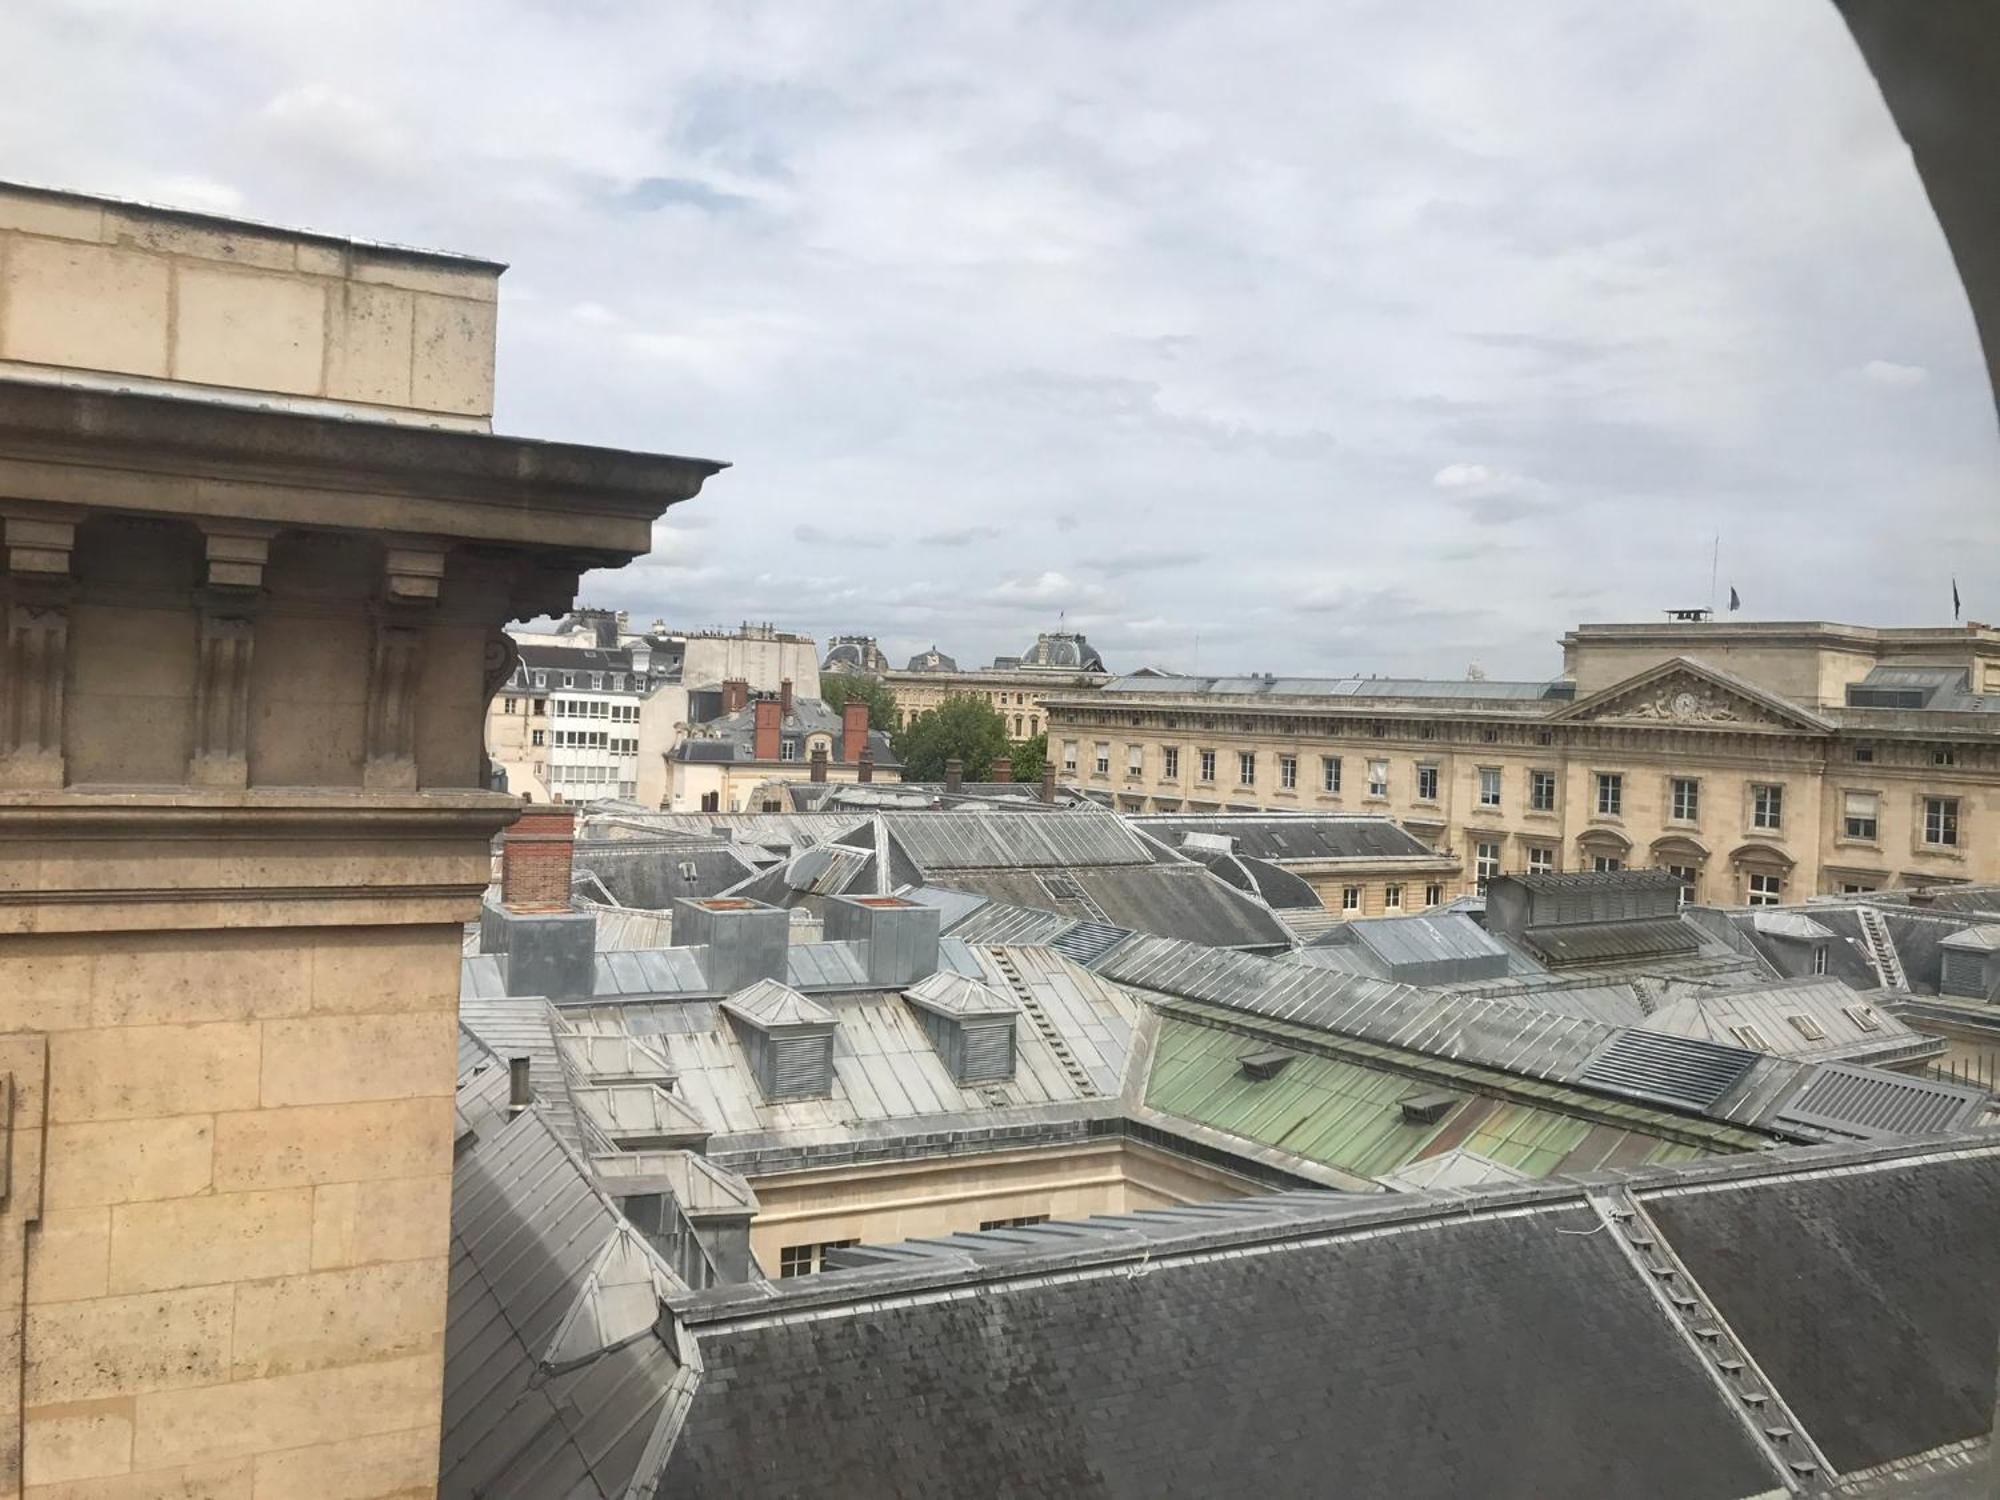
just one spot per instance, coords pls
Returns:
(837, 689)
(1030, 755)
(960, 728)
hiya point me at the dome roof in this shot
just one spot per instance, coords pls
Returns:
(932, 660)
(854, 653)
(1063, 650)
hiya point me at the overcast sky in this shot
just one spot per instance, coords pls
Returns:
(1316, 337)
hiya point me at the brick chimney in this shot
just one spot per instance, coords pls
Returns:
(1003, 769)
(853, 731)
(770, 716)
(535, 859)
(819, 763)
(785, 696)
(864, 768)
(954, 774)
(735, 695)
(1049, 782)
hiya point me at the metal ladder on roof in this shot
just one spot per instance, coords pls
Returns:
(1787, 1447)
(1881, 950)
(1075, 892)
(1039, 1019)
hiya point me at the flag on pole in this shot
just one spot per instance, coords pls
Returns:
(1954, 601)
(1734, 602)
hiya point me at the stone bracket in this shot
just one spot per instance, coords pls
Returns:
(222, 695)
(235, 554)
(395, 668)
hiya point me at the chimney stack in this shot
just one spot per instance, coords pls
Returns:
(770, 717)
(735, 695)
(819, 763)
(1003, 769)
(535, 859)
(785, 696)
(954, 774)
(1049, 782)
(864, 768)
(853, 730)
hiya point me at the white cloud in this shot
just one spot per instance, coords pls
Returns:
(1476, 477)
(1887, 372)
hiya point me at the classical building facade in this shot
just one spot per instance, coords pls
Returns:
(258, 545)
(1015, 687)
(1821, 759)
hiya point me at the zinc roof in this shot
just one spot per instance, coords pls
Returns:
(1298, 836)
(967, 840)
(1348, 1115)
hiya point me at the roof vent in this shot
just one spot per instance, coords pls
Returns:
(745, 940)
(1427, 1109)
(901, 936)
(788, 1037)
(1259, 1066)
(970, 1024)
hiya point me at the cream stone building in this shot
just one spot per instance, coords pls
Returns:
(1761, 762)
(743, 760)
(1015, 687)
(258, 545)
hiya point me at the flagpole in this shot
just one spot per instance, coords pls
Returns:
(1714, 559)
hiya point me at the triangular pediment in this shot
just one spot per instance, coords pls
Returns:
(1689, 694)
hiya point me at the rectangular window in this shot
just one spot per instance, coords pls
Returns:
(795, 1260)
(711, 802)
(1686, 875)
(1863, 754)
(1490, 735)
(1246, 767)
(1489, 786)
(1135, 760)
(1069, 756)
(1350, 898)
(1861, 817)
(1021, 1221)
(1170, 763)
(1288, 772)
(1541, 860)
(1944, 755)
(510, 705)
(1604, 864)
(1941, 822)
(1208, 765)
(1329, 773)
(1686, 799)
(788, 749)
(1485, 864)
(1819, 958)
(1610, 794)
(1103, 759)
(1765, 890)
(541, 704)
(1767, 806)
(1378, 778)
(1427, 783)
(1541, 791)
(537, 735)
(569, 679)
(1433, 895)
(1392, 898)
(1545, 736)
(1862, 1016)
(1751, 1037)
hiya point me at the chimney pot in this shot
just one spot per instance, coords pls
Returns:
(520, 1085)
(819, 763)
(864, 768)
(954, 774)
(1049, 783)
(769, 721)
(735, 695)
(853, 731)
(1003, 769)
(785, 696)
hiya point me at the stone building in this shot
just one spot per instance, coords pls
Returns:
(1820, 759)
(1015, 687)
(742, 760)
(259, 543)
(592, 710)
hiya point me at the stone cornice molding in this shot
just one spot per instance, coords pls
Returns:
(116, 450)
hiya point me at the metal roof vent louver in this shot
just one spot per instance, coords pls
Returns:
(1427, 1109)
(970, 1024)
(1263, 1065)
(789, 1040)
(1674, 1070)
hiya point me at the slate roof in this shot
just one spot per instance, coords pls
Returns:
(528, 1416)
(1814, 1018)
(1483, 691)
(732, 738)
(1504, 1341)
(1181, 900)
(968, 840)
